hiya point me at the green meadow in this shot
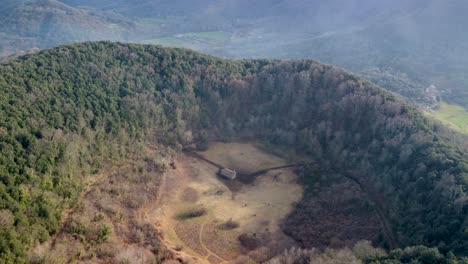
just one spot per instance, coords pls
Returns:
(452, 115)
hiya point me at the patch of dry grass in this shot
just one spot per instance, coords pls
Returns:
(190, 195)
(189, 232)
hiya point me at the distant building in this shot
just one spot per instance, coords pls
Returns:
(228, 174)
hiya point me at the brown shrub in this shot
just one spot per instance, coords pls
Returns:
(192, 213)
(145, 234)
(229, 225)
(6, 219)
(251, 242)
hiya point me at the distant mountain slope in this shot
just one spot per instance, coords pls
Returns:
(424, 39)
(428, 44)
(45, 23)
(275, 15)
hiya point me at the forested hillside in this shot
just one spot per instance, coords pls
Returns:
(421, 42)
(68, 111)
(361, 132)
(422, 39)
(30, 24)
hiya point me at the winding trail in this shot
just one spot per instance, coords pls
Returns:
(380, 211)
(250, 177)
(66, 215)
(152, 206)
(244, 175)
(200, 157)
(210, 253)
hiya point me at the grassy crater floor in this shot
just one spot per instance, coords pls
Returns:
(258, 209)
(452, 115)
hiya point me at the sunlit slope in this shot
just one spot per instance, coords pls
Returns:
(452, 115)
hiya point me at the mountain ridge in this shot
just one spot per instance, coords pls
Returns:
(69, 109)
(422, 39)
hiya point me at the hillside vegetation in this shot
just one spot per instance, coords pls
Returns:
(46, 23)
(422, 40)
(68, 111)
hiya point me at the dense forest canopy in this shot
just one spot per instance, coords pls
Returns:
(67, 111)
(423, 41)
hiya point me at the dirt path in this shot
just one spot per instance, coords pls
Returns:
(67, 214)
(380, 212)
(200, 157)
(144, 213)
(248, 178)
(243, 177)
(263, 171)
(210, 253)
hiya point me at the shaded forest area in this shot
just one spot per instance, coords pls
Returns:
(68, 111)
